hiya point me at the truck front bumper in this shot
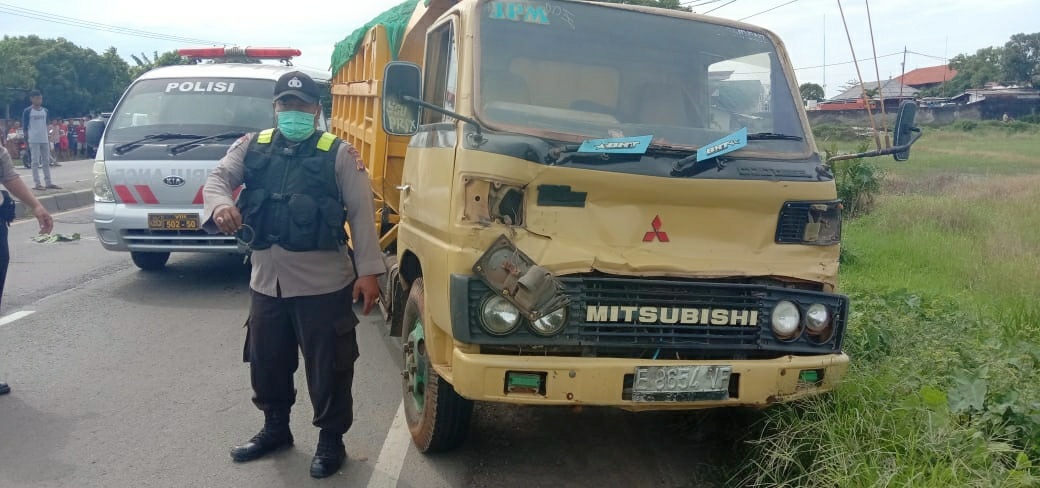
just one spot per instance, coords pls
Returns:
(602, 381)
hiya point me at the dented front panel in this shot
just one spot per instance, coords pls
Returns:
(645, 226)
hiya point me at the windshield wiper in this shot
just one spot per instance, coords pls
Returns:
(125, 148)
(184, 146)
(772, 136)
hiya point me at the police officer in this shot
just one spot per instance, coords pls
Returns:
(12, 182)
(301, 186)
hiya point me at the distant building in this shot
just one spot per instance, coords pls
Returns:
(930, 77)
(1008, 94)
(890, 89)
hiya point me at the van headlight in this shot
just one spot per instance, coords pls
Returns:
(498, 316)
(785, 318)
(550, 324)
(102, 188)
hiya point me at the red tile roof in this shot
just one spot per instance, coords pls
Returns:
(927, 76)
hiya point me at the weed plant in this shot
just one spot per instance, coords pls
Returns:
(943, 274)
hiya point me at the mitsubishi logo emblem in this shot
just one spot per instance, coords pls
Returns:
(656, 232)
(295, 83)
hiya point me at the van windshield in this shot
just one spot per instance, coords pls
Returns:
(199, 106)
(685, 82)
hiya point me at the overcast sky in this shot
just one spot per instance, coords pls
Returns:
(812, 30)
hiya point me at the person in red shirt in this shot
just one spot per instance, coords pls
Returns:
(81, 137)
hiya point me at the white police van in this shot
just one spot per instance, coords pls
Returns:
(169, 129)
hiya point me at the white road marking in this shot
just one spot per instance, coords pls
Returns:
(15, 316)
(391, 457)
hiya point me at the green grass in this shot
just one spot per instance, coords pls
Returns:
(944, 332)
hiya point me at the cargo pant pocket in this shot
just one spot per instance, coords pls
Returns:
(245, 345)
(346, 343)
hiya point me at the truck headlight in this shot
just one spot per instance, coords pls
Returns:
(785, 318)
(817, 318)
(498, 316)
(550, 324)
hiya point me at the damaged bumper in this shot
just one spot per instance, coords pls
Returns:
(609, 381)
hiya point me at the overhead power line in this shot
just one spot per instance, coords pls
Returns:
(698, 3)
(716, 8)
(768, 10)
(848, 62)
(86, 24)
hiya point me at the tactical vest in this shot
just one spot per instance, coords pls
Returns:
(290, 196)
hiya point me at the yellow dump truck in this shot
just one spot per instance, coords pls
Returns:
(593, 204)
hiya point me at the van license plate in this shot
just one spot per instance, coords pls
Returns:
(680, 383)
(180, 221)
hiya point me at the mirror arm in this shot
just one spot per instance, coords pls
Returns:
(879, 152)
(456, 115)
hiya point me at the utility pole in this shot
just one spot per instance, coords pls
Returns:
(824, 56)
(903, 73)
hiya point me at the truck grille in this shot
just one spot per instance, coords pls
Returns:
(608, 292)
(623, 338)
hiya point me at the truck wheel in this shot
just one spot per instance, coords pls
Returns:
(438, 418)
(150, 261)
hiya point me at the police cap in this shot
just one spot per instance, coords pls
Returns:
(297, 84)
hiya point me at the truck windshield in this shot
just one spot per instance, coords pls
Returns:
(589, 71)
(198, 106)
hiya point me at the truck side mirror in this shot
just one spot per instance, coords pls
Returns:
(904, 129)
(95, 127)
(402, 84)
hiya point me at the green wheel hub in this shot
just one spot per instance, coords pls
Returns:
(415, 365)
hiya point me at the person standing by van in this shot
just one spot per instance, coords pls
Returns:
(12, 182)
(34, 121)
(54, 136)
(301, 186)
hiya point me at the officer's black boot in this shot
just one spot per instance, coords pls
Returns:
(4, 389)
(329, 456)
(274, 436)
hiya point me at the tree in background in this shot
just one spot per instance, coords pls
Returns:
(1021, 61)
(975, 70)
(74, 81)
(169, 58)
(811, 91)
(1016, 62)
(17, 77)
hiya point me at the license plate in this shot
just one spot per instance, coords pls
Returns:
(179, 221)
(680, 383)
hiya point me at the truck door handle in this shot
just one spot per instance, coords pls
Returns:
(404, 188)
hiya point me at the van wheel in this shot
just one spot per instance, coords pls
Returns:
(437, 416)
(150, 261)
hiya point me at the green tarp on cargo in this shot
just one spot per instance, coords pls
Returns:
(395, 20)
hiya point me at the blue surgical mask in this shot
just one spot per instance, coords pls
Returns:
(295, 126)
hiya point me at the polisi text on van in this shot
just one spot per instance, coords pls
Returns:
(201, 86)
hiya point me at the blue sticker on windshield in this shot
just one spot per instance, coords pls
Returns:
(518, 12)
(617, 145)
(722, 146)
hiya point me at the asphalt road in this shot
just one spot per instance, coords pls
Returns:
(125, 378)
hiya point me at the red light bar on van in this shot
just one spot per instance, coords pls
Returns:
(272, 52)
(202, 52)
(251, 52)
